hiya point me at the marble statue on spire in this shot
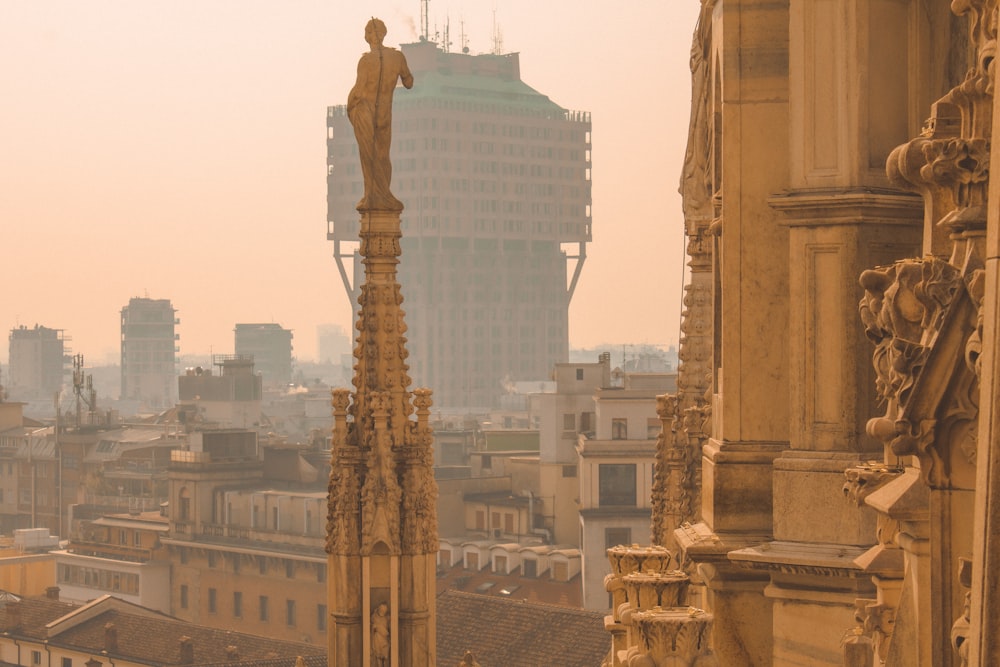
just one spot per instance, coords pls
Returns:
(369, 108)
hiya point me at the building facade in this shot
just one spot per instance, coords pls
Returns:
(616, 466)
(37, 363)
(270, 347)
(149, 348)
(853, 236)
(496, 180)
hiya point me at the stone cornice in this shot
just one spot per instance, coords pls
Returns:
(798, 558)
(825, 208)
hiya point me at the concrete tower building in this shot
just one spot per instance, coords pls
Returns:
(496, 179)
(149, 348)
(37, 362)
(270, 345)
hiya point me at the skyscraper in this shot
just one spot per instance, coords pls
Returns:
(496, 181)
(149, 368)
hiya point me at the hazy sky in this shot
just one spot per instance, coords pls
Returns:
(176, 149)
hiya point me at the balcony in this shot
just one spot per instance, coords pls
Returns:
(118, 552)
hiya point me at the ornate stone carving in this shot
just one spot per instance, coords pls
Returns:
(680, 637)
(865, 478)
(961, 630)
(420, 490)
(380, 636)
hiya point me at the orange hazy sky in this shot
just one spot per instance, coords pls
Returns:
(176, 149)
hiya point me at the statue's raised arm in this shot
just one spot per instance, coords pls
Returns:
(369, 108)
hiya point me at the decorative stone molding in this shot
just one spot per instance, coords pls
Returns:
(628, 559)
(680, 636)
(961, 630)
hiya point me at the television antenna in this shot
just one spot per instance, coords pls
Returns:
(424, 27)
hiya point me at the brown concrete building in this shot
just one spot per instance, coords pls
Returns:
(149, 348)
(270, 347)
(496, 180)
(37, 363)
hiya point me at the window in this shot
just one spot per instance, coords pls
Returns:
(321, 573)
(36, 657)
(290, 569)
(579, 373)
(530, 568)
(615, 536)
(652, 428)
(290, 612)
(238, 604)
(480, 520)
(123, 537)
(619, 428)
(616, 484)
(136, 539)
(569, 421)
(262, 606)
(211, 558)
(586, 422)
(508, 523)
(321, 617)
(67, 662)
(184, 596)
(212, 608)
(569, 471)
(560, 571)
(495, 520)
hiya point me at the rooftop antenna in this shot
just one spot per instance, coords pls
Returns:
(463, 40)
(83, 384)
(497, 36)
(424, 28)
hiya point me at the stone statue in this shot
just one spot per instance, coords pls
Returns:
(369, 108)
(380, 635)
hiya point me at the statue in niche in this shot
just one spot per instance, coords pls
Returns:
(380, 635)
(369, 108)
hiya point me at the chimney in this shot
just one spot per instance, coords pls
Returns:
(110, 638)
(13, 615)
(187, 651)
(52, 592)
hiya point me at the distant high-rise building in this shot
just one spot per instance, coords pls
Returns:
(495, 178)
(37, 362)
(333, 343)
(271, 348)
(149, 348)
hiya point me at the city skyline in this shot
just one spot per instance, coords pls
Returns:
(177, 151)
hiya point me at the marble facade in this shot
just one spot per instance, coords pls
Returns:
(839, 354)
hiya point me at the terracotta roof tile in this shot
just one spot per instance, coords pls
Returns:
(515, 633)
(153, 638)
